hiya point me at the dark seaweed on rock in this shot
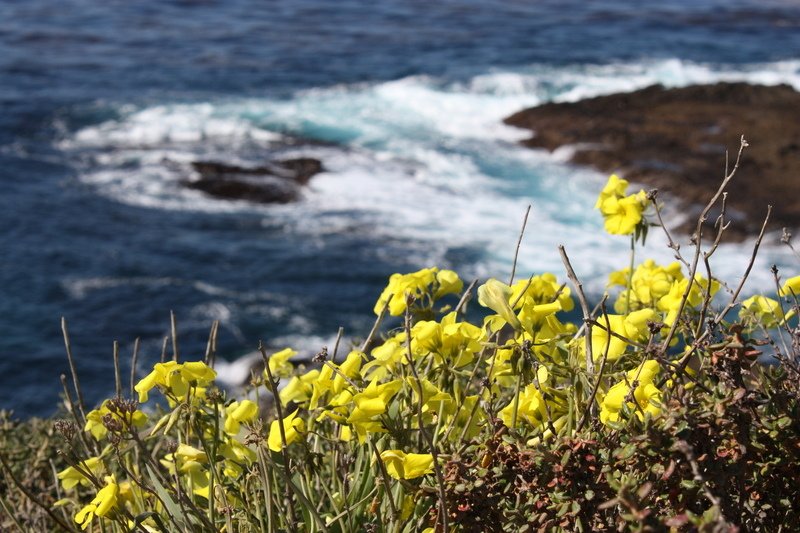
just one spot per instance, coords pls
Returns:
(676, 139)
(275, 182)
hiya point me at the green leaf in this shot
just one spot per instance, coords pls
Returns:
(166, 499)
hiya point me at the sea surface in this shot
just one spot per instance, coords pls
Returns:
(104, 103)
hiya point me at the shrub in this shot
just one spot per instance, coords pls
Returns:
(658, 415)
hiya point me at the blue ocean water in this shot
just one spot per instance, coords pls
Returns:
(103, 103)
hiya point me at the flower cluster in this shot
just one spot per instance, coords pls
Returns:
(197, 418)
(427, 284)
(622, 213)
(176, 380)
(636, 393)
(381, 434)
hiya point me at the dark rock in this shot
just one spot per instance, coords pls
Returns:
(276, 182)
(676, 139)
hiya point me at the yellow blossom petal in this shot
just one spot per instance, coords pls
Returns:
(495, 295)
(293, 428)
(103, 502)
(401, 465)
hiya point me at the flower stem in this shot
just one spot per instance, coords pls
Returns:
(629, 286)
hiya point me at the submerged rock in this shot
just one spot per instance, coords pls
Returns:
(676, 139)
(276, 182)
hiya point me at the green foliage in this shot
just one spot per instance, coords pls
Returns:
(654, 418)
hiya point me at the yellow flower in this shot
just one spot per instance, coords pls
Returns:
(533, 317)
(238, 413)
(236, 455)
(763, 310)
(650, 282)
(400, 286)
(105, 501)
(622, 215)
(175, 378)
(198, 478)
(386, 358)
(372, 402)
(401, 465)
(530, 407)
(646, 395)
(345, 434)
(185, 453)
(408, 507)
(529, 305)
(197, 373)
(614, 188)
(633, 327)
(541, 289)
(449, 283)
(454, 343)
(671, 301)
(131, 495)
(71, 476)
(496, 295)
(161, 375)
(299, 388)
(433, 399)
(293, 429)
(279, 363)
(791, 287)
(190, 463)
(330, 382)
(349, 368)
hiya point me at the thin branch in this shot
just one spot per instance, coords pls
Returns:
(211, 345)
(73, 371)
(750, 264)
(164, 344)
(519, 243)
(621, 337)
(273, 385)
(721, 315)
(671, 242)
(385, 477)
(584, 306)
(117, 375)
(786, 238)
(134, 359)
(466, 296)
(590, 404)
(173, 323)
(443, 512)
(70, 404)
(336, 345)
(698, 237)
(375, 326)
(686, 449)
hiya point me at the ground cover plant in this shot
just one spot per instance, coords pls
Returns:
(672, 404)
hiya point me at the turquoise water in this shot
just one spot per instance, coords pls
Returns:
(106, 103)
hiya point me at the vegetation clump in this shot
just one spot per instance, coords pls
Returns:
(661, 409)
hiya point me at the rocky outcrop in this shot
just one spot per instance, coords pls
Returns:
(276, 182)
(676, 139)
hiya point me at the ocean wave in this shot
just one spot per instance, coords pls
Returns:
(420, 159)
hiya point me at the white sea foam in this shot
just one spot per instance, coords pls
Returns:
(79, 288)
(419, 159)
(232, 374)
(163, 124)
